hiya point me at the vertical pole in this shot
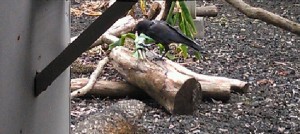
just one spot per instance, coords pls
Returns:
(44, 78)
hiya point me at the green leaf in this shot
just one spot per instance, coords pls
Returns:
(121, 41)
(176, 18)
(130, 35)
(184, 50)
(170, 14)
(148, 40)
(113, 45)
(160, 47)
(170, 56)
(182, 27)
(197, 55)
(186, 14)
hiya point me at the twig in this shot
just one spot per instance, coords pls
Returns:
(266, 16)
(93, 78)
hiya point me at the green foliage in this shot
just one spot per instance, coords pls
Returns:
(184, 50)
(141, 39)
(197, 55)
(121, 41)
(185, 22)
(182, 18)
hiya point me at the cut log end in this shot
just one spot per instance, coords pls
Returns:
(186, 97)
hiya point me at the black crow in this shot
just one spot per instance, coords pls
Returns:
(164, 33)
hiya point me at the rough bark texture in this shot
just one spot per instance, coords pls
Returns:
(175, 91)
(266, 16)
(109, 89)
(207, 11)
(235, 84)
(216, 91)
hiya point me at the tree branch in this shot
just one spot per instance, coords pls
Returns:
(266, 16)
(93, 78)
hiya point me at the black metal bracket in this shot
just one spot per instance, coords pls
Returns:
(44, 78)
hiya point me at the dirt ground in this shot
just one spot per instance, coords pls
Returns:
(238, 47)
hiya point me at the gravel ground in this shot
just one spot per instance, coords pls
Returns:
(242, 48)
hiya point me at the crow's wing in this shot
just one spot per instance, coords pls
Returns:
(160, 33)
(171, 35)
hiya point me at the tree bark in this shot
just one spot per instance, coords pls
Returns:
(266, 16)
(175, 91)
(235, 84)
(207, 11)
(216, 91)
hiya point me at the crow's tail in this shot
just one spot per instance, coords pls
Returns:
(192, 44)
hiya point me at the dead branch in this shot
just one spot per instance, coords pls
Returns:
(93, 78)
(109, 89)
(266, 16)
(207, 11)
(154, 11)
(162, 5)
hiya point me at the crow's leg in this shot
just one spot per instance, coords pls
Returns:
(166, 51)
(146, 45)
(164, 54)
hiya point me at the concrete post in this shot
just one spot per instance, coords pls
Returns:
(198, 21)
(33, 33)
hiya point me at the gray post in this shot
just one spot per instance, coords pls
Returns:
(32, 34)
(198, 21)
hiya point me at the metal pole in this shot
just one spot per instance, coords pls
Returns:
(44, 78)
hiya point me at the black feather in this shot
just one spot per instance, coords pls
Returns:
(164, 33)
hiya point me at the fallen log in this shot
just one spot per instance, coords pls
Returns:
(207, 11)
(109, 89)
(216, 91)
(112, 89)
(266, 16)
(235, 84)
(175, 91)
